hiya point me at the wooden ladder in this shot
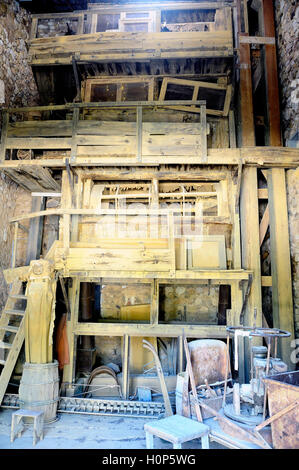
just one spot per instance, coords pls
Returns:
(12, 333)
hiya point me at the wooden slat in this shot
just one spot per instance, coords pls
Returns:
(264, 225)
(128, 259)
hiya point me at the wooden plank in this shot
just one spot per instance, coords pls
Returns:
(128, 259)
(227, 100)
(250, 244)
(271, 75)
(38, 143)
(264, 225)
(131, 329)
(104, 46)
(282, 301)
(256, 40)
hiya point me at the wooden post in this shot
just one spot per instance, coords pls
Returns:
(76, 114)
(80, 27)
(3, 136)
(74, 295)
(139, 132)
(251, 245)
(154, 314)
(203, 125)
(33, 30)
(247, 121)
(271, 77)
(282, 302)
(126, 363)
(15, 244)
(35, 230)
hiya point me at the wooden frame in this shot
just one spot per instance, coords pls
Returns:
(90, 16)
(196, 85)
(206, 240)
(150, 21)
(152, 329)
(120, 82)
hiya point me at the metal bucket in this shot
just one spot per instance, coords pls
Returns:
(39, 389)
(283, 390)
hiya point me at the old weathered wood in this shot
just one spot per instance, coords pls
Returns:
(125, 368)
(35, 230)
(191, 377)
(4, 130)
(247, 132)
(282, 302)
(264, 225)
(271, 76)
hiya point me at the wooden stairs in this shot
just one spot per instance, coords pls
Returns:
(12, 333)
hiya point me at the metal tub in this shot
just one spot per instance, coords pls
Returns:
(283, 390)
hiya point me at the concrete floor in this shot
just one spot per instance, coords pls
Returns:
(75, 431)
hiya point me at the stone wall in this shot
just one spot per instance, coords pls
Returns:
(17, 88)
(287, 27)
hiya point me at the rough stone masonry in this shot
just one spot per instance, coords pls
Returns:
(17, 88)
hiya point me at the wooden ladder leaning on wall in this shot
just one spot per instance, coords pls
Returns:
(12, 333)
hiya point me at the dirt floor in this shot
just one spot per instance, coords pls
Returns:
(75, 431)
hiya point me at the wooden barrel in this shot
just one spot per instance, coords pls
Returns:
(39, 389)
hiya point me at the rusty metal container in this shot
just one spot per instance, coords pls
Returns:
(283, 390)
(208, 358)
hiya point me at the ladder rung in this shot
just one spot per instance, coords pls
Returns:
(13, 329)
(18, 296)
(2, 362)
(14, 312)
(5, 345)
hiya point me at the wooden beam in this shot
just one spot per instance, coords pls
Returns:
(256, 40)
(282, 300)
(247, 121)
(271, 75)
(160, 330)
(264, 225)
(74, 294)
(251, 244)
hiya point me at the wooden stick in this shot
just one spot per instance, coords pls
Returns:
(246, 435)
(150, 347)
(192, 381)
